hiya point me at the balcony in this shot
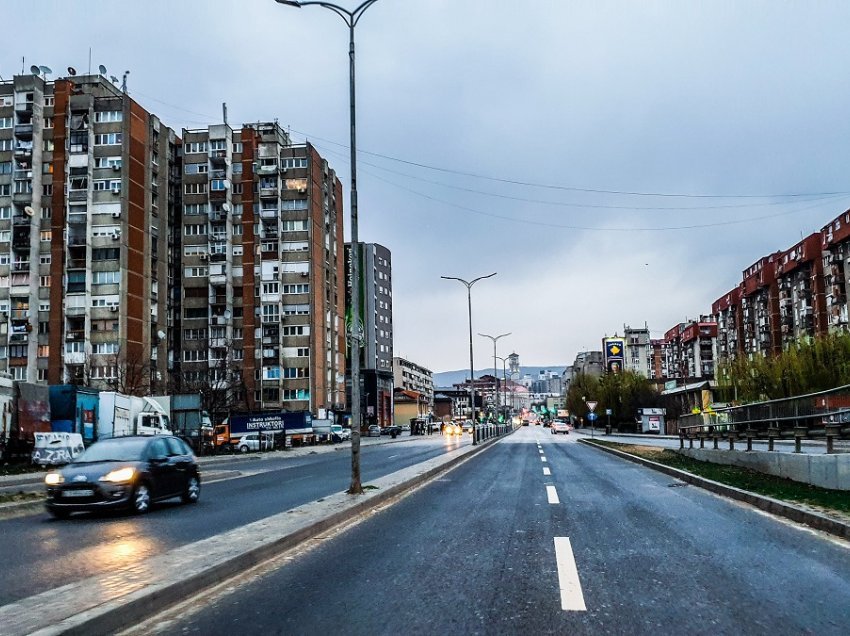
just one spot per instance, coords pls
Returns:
(218, 157)
(20, 314)
(20, 266)
(19, 338)
(76, 239)
(270, 213)
(78, 195)
(268, 191)
(23, 150)
(21, 219)
(24, 131)
(23, 106)
(267, 169)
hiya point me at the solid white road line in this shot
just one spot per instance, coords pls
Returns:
(543, 459)
(572, 598)
(546, 470)
(552, 495)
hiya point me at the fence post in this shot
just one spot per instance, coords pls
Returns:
(681, 439)
(799, 433)
(750, 435)
(832, 431)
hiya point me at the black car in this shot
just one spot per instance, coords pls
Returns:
(125, 472)
(391, 430)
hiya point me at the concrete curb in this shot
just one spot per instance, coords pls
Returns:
(150, 598)
(768, 504)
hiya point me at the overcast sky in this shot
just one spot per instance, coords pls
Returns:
(676, 97)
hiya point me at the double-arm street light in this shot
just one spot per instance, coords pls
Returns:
(351, 18)
(504, 383)
(469, 285)
(495, 339)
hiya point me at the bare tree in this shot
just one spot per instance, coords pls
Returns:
(134, 374)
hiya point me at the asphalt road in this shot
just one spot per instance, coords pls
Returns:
(610, 547)
(38, 553)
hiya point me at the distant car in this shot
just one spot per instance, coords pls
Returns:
(340, 433)
(251, 442)
(560, 427)
(391, 430)
(454, 429)
(467, 426)
(373, 431)
(125, 472)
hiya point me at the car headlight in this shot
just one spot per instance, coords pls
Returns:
(120, 475)
(54, 479)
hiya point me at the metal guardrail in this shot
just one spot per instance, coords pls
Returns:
(825, 414)
(488, 431)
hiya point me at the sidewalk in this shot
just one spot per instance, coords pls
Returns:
(107, 603)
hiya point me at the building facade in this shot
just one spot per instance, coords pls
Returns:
(376, 359)
(261, 265)
(413, 377)
(86, 195)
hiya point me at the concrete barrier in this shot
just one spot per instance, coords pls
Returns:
(826, 471)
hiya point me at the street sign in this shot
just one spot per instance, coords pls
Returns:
(608, 411)
(591, 405)
(592, 416)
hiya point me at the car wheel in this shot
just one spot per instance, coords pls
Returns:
(193, 490)
(59, 513)
(243, 449)
(141, 501)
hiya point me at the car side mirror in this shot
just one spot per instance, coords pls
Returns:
(161, 459)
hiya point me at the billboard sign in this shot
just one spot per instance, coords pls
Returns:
(615, 354)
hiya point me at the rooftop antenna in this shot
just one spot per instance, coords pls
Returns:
(124, 81)
(102, 69)
(89, 71)
(224, 112)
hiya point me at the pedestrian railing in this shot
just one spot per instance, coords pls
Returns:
(483, 432)
(825, 414)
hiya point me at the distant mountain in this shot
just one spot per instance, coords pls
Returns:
(448, 378)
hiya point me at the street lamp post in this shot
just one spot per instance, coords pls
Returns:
(495, 379)
(469, 285)
(504, 384)
(351, 18)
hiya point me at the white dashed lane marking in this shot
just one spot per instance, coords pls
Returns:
(572, 598)
(543, 459)
(552, 495)
(546, 471)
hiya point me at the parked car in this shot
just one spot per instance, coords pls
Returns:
(373, 431)
(250, 442)
(340, 433)
(392, 430)
(560, 427)
(125, 472)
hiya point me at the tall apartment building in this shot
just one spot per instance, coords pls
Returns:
(760, 307)
(726, 311)
(802, 303)
(413, 377)
(262, 269)
(690, 349)
(638, 356)
(85, 200)
(376, 354)
(835, 245)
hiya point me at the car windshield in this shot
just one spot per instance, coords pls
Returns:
(113, 450)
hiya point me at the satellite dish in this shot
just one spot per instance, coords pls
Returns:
(225, 207)
(45, 69)
(113, 79)
(35, 70)
(227, 314)
(227, 184)
(102, 69)
(29, 211)
(161, 335)
(72, 71)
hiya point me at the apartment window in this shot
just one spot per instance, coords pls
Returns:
(303, 352)
(194, 209)
(104, 301)
(237, 188)
(236, 168)
(44, 259)
(271, 313)
(194, 147)
(194, 334)
(195, 229)
(105, 230)
(295, 162)
(5, 190)
(46, 213)
(196, 272)
(218, 185)
(101, 185)
(296, 310)
(108, 139)
(105, 348)
(105, 254)
(294, 226)
(6, 236)
(5, 122)
(5, 212)
(47, 190)
(75, 347)
(296, 330)
(237, 333)
(271, 288)
(46, 235)
(294, 204)
(218, 144)
(49, 100)
(106, 278)
(295, 246)
(196, 312)
(303, 288)
(5, 167)
(107, 162)
(18, 373)
(108, 115)
(296, 394)
(6, 100)
(237, 147)
(195, 188)
(48, 123)
(5, 144)
(47, 145)
(196, 168)
(107, 372)
(194, 356)
(44, 281)
(292, 373)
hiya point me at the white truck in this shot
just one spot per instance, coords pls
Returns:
(121, 415)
